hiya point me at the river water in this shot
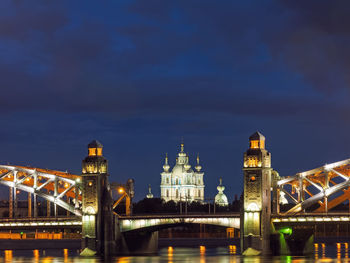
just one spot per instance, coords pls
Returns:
(323, 253)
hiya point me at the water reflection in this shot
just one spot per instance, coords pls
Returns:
(170, 254)
(8, 255)
(36, 255)
(232, 249)
(123, 260)
(202, 253)
(323, 252)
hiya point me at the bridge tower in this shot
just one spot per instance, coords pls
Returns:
(256, 211)
(97, 228)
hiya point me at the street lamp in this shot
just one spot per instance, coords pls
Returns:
(123, 192)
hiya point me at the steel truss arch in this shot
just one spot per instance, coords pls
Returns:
(58, 185)
(316, 187)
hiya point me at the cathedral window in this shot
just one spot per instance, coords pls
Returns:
(177, 193)
(167, 193)
(188, 193)
(167, 180)
(177, 181)
(199, 193)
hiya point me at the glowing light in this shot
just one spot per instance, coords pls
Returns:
(36, 254)
(8, 255)
(66, 185)
(232, 249)
(253, 207)
(286, 230)
(99, 151)
(121, 190)
(202, 249)
(92, 151)
(90, 183)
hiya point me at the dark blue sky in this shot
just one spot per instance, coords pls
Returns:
(139, 75)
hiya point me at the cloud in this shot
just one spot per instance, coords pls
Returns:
(219, 57)
(312, 39)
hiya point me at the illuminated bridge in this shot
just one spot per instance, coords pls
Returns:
(318, 190)
(308, 196)
(60, 188)
(325, 187)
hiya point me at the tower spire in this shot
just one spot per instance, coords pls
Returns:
(182, 144)
(198, 166)
(166, 166)
(149, 195)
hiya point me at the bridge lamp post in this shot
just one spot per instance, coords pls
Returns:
(124, 193)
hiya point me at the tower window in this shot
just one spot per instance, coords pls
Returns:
(167, 180)
(99, 151)
(92, 151)
(167, 193)
(256, 144)
(177, 181)
(252, 161)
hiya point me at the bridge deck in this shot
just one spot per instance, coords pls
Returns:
(228, 215)
(311, 218)
(155, 222)
(44, 222)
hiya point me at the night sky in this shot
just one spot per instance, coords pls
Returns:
(139, 75)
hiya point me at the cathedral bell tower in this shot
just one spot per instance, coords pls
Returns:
(95, 189)
(256, 212)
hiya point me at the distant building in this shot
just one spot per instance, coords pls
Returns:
(149, 195)
(182, 182)
(221, 198)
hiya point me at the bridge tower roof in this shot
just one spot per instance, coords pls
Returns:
(95, 144)
(257, 136)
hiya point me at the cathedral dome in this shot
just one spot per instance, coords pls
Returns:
(177, 170)
(221, 198)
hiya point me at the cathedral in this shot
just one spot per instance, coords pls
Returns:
(182, 182)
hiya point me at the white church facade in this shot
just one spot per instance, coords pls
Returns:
(182, 182)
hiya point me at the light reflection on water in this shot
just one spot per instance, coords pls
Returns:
(338, 252)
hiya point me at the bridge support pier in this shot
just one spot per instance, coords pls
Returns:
(98, 228)
(256, 211)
